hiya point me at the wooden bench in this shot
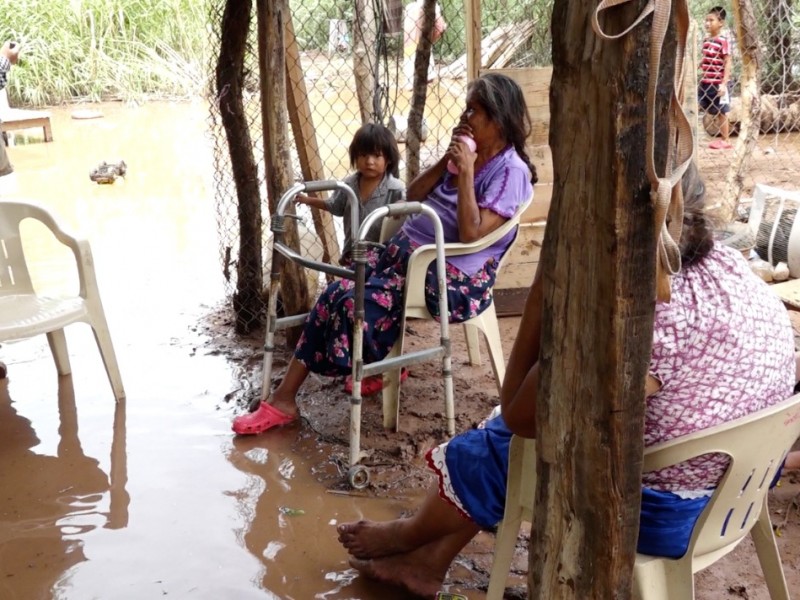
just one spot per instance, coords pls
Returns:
(17, 118)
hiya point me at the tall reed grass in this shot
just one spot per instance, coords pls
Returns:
(92, 50)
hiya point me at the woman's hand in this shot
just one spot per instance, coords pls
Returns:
(11, 51)
(460, 153)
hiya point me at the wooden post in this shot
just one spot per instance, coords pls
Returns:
(419, 94)
(272, 17)
(472, 25)
(247, 299)
(305, 138)
(750, 106)
(598, 261)
(364, 58)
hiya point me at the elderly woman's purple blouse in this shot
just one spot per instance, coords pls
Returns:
(501, 185)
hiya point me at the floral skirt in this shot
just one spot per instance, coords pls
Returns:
(325, 344)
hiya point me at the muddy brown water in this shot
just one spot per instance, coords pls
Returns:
(152, 497)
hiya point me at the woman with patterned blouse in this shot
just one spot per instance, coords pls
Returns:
(723, 347)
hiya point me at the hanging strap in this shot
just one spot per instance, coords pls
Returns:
(665, 190)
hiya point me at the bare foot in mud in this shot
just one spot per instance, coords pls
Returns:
(409, 570)
(373, 539)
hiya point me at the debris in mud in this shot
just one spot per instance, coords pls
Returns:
(740, 591)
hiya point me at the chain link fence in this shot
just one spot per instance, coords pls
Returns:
(353, 61)
(773, 158)
(329, 36)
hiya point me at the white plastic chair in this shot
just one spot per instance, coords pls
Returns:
(415, 308)
(520, 496)
(24, 314)
(757, 445)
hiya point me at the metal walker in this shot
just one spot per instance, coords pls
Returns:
(358, 475)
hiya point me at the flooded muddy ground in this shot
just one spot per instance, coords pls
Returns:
(154, 497)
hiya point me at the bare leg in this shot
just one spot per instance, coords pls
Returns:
(435, 520)
(420, 571)
(283, 398)
(724, 126)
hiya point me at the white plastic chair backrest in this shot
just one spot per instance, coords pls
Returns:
(421, 258)
(14, 276)
(757, 445)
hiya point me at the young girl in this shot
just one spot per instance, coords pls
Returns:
(376, 159)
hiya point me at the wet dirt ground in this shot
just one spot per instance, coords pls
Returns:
(154, 497)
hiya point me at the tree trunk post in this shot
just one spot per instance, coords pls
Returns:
(419, 94)
(364, 58)
(248, 303)
(750, 107)
(272, 16)
(598, 262)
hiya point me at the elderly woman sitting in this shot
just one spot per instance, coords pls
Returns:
(707, 338)
(491, 183)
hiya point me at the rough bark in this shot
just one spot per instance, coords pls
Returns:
(747, 36)
(420, 90)
(247, 299)
(599, 266)
(272, 16)
(365, 58)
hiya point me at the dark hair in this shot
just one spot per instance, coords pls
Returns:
(502, 99)
(697, 236)
(719, 12)
(374, 138)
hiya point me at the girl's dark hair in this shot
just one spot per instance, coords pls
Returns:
(502, 99)
(374, 138)
(719, 12)
(697, 236)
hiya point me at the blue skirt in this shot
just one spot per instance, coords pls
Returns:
(477, 467)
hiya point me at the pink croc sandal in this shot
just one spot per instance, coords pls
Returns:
(372, 384)
(266, 417)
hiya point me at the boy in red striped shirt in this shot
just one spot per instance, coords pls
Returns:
(713, 93)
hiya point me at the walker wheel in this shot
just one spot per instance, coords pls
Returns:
(358, 477)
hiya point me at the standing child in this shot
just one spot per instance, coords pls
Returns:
(376, 159)
(713, 91)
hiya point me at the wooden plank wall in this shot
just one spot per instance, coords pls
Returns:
(519, 267)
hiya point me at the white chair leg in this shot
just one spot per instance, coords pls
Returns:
(768, 556)
(103, 339)
(656, 578)
(473, 344)
(391, 385)
(488, 324)
(504, 546)
(391, 399)
(58, 346)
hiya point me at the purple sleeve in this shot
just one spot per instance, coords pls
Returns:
(505, 191)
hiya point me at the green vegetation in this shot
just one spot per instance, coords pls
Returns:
(106, 49)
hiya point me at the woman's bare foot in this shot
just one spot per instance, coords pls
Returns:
(373, 539)
(408, 570)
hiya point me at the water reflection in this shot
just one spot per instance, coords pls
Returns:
(49, 503)
(290, 521)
